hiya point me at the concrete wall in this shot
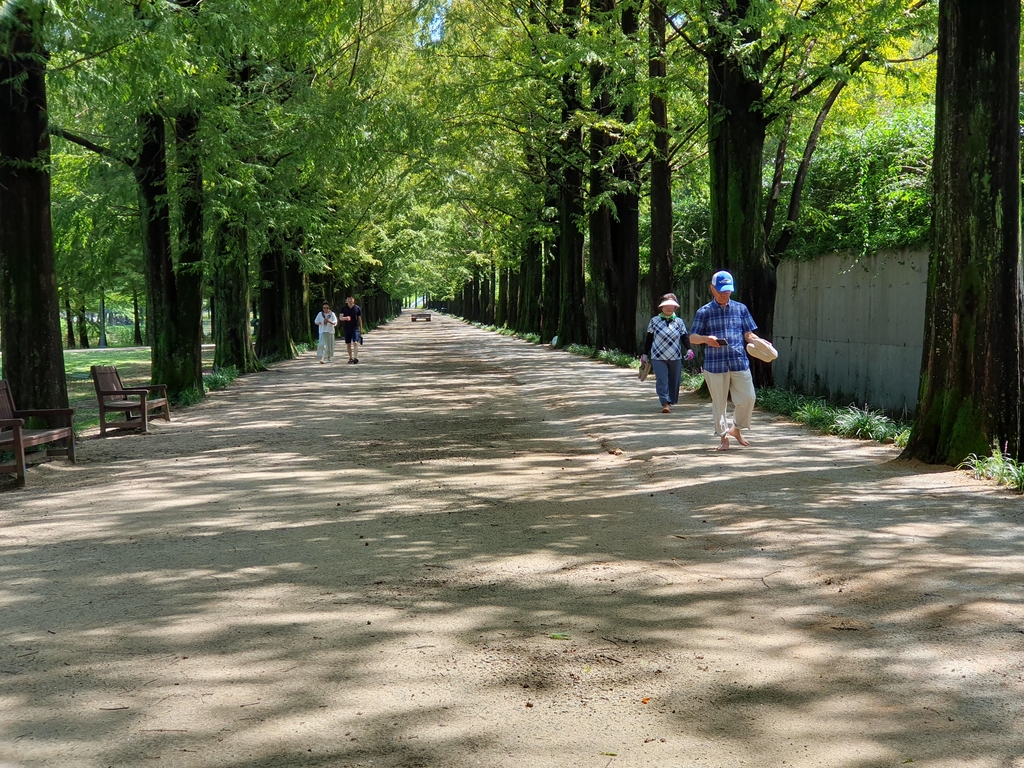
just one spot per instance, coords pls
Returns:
(853, 329)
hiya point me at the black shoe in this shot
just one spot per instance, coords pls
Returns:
(351, 360)
(355, 359)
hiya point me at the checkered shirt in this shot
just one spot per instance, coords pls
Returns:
(668, 337)
(730, 322)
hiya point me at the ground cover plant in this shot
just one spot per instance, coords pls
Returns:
(999, 467)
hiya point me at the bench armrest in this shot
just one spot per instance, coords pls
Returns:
(161, 387)
(116, 392)
(12, 423)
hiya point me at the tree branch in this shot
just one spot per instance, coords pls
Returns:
(92, 147)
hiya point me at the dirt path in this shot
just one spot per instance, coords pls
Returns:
(472, 551)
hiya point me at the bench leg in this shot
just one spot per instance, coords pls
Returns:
(19, 459)
(71, 448)
(144, 417)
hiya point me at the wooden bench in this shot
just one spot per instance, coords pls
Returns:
(420, 316)
(134, 402)
(15, 437)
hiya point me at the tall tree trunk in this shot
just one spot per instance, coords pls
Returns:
(614, 222)
(736, 136)
(274, 337)
(69, 319)
(232, 331)
(572, 324)
(136, 319)
(970, 395)
(187, 360)
(569, 288)
(33, 352)
(531, 287)
(298, 303)
(660, 276)
(501, 311)
(83, 327)
(103, 319)
(174, 337)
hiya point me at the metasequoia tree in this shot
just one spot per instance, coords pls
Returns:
(614, 219)
(970, 395)
(762, 59)
(33, 358)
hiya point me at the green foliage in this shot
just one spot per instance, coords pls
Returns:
(869, 187)
(187, 397)
(863, 423)
(816, 414)
(999, 467)
(220, 378)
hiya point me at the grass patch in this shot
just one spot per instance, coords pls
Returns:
(817, 413)
(1000, 467)
(133, 366)
(220, 378)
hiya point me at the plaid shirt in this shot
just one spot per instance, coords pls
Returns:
(730, 322)
(668, 337)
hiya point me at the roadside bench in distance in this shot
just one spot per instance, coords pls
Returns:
(420, 316)
(14, 437)
(134, 402)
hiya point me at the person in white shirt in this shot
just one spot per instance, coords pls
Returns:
(326, 321)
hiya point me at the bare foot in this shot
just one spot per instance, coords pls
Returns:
(739, 438)
(725, 443)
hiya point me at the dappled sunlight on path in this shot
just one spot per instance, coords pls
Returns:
(470, 550)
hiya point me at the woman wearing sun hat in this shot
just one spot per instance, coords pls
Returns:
(666, 340)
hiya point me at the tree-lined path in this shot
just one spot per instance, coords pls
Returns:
(469, 550)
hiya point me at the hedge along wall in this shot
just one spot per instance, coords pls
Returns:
(853, 329)
(847, 329)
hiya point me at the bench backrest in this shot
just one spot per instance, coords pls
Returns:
(106, 379)
(6, 401)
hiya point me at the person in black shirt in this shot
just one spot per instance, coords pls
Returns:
(352, 316)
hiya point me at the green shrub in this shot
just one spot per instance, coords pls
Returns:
(121, 335)
(190, 396)
(220, 378)
(621, 359)
(862, 423)
(580, 349)
(781, 401)
(691, 382)
(816, 414)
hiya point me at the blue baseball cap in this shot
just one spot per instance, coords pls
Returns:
(722, 281)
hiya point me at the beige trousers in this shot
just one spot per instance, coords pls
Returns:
(325, 349)
(741, 385)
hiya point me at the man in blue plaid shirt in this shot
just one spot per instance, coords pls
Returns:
(726, 327)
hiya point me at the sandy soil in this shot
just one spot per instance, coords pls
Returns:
(472, 551)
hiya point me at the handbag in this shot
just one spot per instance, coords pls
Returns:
(645, 369)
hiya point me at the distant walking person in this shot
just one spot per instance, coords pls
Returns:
(352, 316)
(326, 321)
(666, 340)
(726, 327)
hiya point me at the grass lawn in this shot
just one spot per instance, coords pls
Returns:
(132, 364)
